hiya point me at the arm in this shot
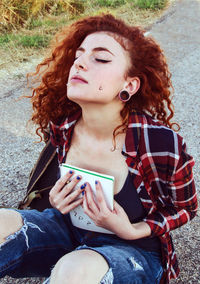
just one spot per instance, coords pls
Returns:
(116, 221)
(178, 204)
(175, 206)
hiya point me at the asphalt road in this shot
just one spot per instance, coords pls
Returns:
(178, 34)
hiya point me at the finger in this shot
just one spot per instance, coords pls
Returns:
(86, 209)
(69, 186)
(61, 182)
(57, 198)
(91, 204)
(64, 209)
(100, 197)
(74, 194)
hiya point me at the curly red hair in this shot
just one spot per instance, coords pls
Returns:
(49, 99)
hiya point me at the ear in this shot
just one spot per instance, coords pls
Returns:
(132, 85)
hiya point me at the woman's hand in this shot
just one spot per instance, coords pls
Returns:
(61, 195)
(116, 221)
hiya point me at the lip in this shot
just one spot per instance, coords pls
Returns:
(78, 79)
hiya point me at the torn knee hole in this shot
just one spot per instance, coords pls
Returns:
(18, 225)
(108, 277)
(10, 222)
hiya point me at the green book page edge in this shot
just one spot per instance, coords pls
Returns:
(88, 172)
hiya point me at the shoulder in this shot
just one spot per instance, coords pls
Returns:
(155, 137)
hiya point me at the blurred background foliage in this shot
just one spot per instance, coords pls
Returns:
(28, 26)
(27, 13)
(21, 13)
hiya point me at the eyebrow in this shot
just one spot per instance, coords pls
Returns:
(96, 49)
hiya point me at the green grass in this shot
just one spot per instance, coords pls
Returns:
(33, 41)
(35, 23)
(48, 23)
(150, 4)
(35, 33)
(109, 3)
(143, 4)
(5, 39)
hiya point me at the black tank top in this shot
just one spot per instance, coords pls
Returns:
(128, 198)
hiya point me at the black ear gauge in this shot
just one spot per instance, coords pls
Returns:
(124, 96)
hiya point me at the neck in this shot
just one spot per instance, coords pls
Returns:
(100, 120)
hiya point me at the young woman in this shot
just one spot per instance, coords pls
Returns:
(105, 93)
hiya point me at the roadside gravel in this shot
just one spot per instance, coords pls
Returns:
(178, 33)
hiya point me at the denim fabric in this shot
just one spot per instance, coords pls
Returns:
(46, 236)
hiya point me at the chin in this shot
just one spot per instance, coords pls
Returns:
(86, 98)
(78, 99)
(74, 97)
(85, 101)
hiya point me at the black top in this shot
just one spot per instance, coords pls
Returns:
(128, 198)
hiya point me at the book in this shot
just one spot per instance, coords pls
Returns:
(78, 217)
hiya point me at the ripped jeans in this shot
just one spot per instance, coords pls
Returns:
(47, 236)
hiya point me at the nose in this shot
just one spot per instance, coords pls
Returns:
(80, 63)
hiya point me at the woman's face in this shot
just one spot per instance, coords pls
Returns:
(98, 72)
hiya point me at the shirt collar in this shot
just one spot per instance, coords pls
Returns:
(133, 134)
(69, 122)
(132, 138)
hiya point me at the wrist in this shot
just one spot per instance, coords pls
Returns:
(140, 230)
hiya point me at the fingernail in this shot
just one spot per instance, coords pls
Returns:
(78, 177)
(82, 186)
(83, 192)
(71, 172)
(96, 182)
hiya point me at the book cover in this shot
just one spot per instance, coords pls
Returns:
(77, 215)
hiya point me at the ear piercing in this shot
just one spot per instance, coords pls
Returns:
(124, 96)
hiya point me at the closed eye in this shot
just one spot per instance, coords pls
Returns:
(102, 60)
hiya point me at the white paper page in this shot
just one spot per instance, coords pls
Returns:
(78, 217)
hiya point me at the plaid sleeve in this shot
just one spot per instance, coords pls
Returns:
(177, 198)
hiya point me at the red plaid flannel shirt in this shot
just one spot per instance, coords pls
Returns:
(157, 158)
